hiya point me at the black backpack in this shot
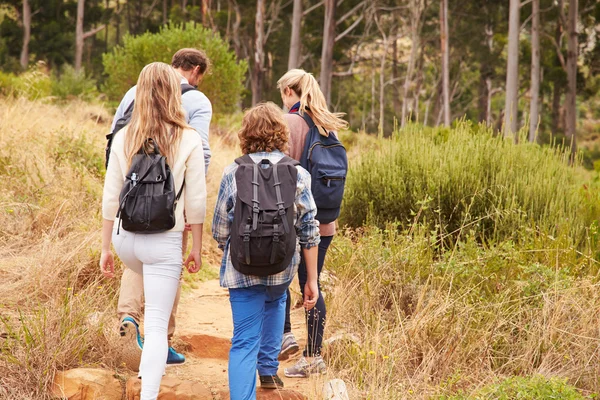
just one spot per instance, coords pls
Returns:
(263, 235)
(148, 200)
(326, 160)
(124, 120)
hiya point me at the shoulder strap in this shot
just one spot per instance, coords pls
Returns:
(280, 209)
(246, 159)
(306, 118)
(186, 87)
(288, 160)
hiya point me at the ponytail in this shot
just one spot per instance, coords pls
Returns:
(312, 99)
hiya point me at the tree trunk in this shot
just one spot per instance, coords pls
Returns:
(204, 9)
(386, 43)
(445, 61)
(259, 53)
(571, 98)
(79, 35)
(26, 34)
(327, 53)
(534, 108)
(165, 10)
(235, 30)
(415, 37)
(512, 71)
(396, 100)
(295, 42)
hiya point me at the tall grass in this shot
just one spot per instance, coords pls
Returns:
(467, 179)
(431, 326)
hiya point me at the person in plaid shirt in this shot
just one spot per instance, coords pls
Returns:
(258, 302)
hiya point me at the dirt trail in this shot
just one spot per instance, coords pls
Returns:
(204, 331)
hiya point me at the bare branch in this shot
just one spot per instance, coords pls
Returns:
(350, 28)
(525, 3)
(147, 13)
(559, 52)
(351, 12)
(275, 9)
(309, 9)
(93, 31)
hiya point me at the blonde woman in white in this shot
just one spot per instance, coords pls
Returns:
(157, 115)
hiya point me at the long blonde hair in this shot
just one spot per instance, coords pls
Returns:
(157, 112)
(312, 100)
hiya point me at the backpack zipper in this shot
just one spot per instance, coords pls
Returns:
(310, 149)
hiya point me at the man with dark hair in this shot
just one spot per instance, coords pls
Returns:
(192, 65)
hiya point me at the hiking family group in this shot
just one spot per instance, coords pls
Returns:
(274, 218)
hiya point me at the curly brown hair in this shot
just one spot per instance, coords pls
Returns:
(263, 129)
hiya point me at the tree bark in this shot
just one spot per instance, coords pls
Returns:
(396, 101)
(80, 36)
(512, 71)
(416, 7)
(26, 34)
(259, 53)
(571, 98)
(295, 42)
(534, 108)
(445, 61)
(165, 10)
(327, 53)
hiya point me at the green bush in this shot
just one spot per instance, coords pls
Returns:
(223, 86)
(36, 83)
(465, 179)
(525, 388)
(70, 83)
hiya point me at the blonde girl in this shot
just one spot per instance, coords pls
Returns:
(157, 115)
(301, 94)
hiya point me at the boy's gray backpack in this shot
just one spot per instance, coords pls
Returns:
(263, 235)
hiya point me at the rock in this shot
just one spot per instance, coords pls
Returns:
(171, 389)
(268, 394)
(335, 389)
(206, 346)
(86, 384)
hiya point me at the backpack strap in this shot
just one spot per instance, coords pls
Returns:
(186, 87)
(307, 119)
(280, 209)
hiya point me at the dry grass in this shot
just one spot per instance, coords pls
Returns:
(57, 310)
(425, 333)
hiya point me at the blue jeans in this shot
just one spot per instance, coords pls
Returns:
(258, 315)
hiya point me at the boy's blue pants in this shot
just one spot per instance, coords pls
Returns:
(258, 317)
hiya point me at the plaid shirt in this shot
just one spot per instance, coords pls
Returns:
(307, 227)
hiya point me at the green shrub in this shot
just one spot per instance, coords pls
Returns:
(525, 388)
(36, 83)
(466, 179)
(223, 86)
(70, 83)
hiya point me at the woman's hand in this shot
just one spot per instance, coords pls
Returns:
(311, 294)
(107, 264)
(193, 263)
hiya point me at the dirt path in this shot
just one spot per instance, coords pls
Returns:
(204, 334)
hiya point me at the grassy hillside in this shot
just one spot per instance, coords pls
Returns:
(513, 315)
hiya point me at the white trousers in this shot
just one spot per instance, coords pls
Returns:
(157, 257)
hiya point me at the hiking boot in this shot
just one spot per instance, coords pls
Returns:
(303, 369)
(174, 358)
(271, 382)
(132, 343)
(289, 346)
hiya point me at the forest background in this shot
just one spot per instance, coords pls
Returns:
(379, 61)
(467, 265)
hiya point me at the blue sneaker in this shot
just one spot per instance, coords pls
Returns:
(174, 358)
(132, 343)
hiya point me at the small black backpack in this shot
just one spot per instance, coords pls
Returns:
(263, 235)
(124, 120)
(148, 200)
